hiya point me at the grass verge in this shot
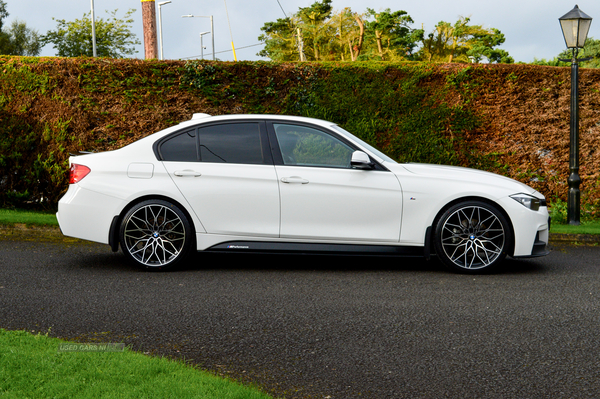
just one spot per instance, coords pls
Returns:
(19, 216)
(31, 366)
(591, 228)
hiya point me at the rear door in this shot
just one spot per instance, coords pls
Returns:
(226, 173)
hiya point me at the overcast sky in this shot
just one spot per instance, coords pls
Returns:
(531, 27)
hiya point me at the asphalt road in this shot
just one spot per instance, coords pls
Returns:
(327, 327)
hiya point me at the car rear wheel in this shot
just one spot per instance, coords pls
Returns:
(156, 234)
(472, 237)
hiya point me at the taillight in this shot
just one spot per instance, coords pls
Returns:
(77, 172)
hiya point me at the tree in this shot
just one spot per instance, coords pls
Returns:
(316, 33)
(462, 42)
(3, 13)
(392, 35)
(482, 46)
(590, 50)
(304, 36)
(22, 40)
(18, 39)
(113, 36)
(280, 39)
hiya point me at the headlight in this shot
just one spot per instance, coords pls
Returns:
(529, 201)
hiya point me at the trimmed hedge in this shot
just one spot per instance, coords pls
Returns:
(511, 119)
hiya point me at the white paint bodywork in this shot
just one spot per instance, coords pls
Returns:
(230, 202)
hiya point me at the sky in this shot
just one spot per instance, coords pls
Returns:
(531, 27)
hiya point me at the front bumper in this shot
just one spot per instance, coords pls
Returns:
(540, 244)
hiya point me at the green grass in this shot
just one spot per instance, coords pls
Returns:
(586, 227)
(31, 366)
(15, 216)
(18, 216)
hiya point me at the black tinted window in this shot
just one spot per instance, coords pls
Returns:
(231, 143)
(305, 146)
(180, 148)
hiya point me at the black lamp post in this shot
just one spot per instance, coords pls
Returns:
(575, 27)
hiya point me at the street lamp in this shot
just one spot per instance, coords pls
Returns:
(575, 26)
(160, 27)
(202, 44)
(212, 30)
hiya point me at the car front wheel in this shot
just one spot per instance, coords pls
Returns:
(472, 237)
(156, 234)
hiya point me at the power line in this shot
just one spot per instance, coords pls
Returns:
(281, 8)
(224, 51)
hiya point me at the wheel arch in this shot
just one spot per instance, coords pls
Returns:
(113, 234)
(511, 244)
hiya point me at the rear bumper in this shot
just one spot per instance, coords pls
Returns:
(87, 214)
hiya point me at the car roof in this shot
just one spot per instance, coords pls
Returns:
(200, 118)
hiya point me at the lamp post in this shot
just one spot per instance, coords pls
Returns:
(212, 29)
(575, 26)
(160, 26)
(94, 51)
(202, 44)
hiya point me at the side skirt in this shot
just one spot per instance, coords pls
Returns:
(310, 248)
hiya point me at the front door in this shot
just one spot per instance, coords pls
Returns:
(323, 197)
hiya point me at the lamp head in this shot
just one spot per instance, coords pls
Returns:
(575, 26)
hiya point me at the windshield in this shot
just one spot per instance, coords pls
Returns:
(369, 147)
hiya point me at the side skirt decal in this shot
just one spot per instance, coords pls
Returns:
(293, 247)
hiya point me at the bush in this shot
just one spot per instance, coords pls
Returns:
(510, 119)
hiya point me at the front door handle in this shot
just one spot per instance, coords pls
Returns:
(294, 180)
(187, 173)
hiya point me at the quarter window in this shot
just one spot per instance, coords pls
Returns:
(180, 148)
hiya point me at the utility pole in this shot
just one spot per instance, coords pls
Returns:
(149, 23)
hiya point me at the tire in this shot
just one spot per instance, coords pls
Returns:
(472, 237)
(156, 235)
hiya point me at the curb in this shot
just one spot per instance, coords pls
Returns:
(574, 238)
(21, 230)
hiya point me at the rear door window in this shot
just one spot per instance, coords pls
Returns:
(231, 143)
(239, 143)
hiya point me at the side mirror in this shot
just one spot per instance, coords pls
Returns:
(361, 160)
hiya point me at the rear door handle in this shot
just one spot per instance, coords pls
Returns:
(187, 173)
(294, 180)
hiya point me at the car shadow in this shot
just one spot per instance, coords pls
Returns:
(108, 260)
(332, 263)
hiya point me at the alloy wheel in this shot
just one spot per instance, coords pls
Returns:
(154, 235)
(473, 237)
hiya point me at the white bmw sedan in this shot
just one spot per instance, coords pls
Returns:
(289, 184)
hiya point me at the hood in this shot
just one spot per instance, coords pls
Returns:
(461, 174)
